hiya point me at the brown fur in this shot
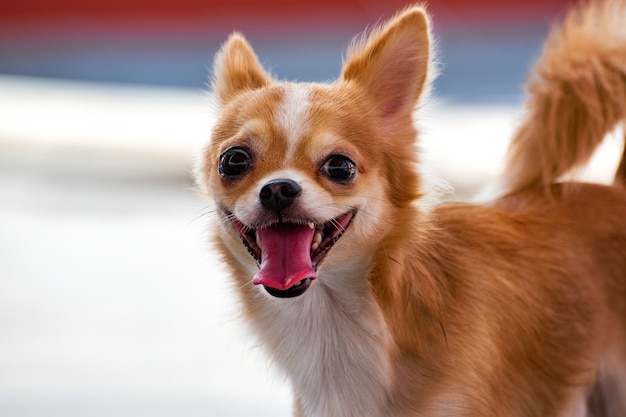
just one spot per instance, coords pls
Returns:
(517, 342)
(512, 309)
(577, 96)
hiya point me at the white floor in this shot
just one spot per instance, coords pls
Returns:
(111, 303)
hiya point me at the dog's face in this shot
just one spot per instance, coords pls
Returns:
(306, 176)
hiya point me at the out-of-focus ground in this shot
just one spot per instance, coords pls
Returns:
(111, 302)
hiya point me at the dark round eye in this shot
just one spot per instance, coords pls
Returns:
(234, 163)
(339, 168)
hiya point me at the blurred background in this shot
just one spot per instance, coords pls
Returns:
(111, 303)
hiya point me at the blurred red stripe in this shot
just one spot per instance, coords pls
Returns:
(19, 10)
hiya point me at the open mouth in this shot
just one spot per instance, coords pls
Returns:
(289, 253)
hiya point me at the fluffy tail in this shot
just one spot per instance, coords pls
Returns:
(577, 96)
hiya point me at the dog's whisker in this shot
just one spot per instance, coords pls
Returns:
(246, 284)
(206, 211)
(341, 208)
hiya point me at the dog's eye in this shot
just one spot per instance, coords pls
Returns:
(339, 168)
(234, 162)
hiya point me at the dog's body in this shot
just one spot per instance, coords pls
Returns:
(383, 308)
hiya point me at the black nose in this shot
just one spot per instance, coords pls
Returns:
(279, 194)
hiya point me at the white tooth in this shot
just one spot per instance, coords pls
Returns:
(258, 241)
(317, 240)
(312, 225)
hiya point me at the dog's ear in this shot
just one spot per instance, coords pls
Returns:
(236, 69)
(391, 64)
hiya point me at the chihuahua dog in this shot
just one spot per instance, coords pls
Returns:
(374, 305)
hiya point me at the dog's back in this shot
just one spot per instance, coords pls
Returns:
(551, 264)
(578, 96)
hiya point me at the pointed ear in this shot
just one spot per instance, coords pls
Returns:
(391, 64)
(237, 69)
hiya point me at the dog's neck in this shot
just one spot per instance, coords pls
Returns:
(332, 342)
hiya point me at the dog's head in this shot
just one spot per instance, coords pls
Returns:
(306, 177)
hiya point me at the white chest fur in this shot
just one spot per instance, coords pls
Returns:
(331, 342)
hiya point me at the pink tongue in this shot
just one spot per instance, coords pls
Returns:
(286, 256)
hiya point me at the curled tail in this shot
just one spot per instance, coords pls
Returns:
(577, 96)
